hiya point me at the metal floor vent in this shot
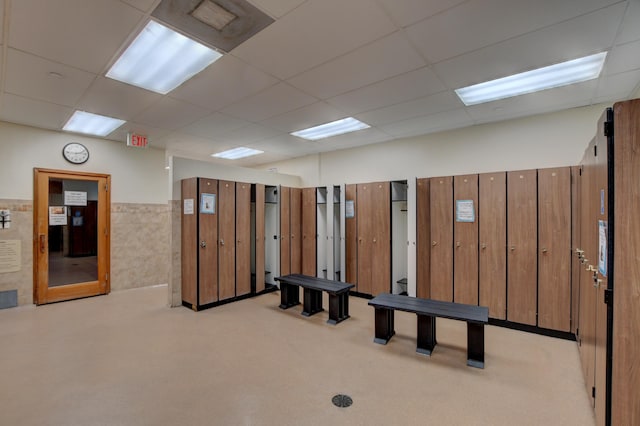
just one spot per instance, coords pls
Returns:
(342, 401)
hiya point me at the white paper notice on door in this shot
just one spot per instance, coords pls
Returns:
(57, 215)
(349, 209)
(187, 208)
(75, 198)
(465, 211)
(602, 247)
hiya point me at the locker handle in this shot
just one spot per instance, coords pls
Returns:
(434, 243)
(483, 246)
(203, 243)
(221, 242)
(579, 251)
(513, 248)
(590, 268)
(375, 241)
(596, 283)
(458, 244)
(584, 260)
(544, 249)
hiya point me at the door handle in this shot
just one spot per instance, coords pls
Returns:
(458, 244)
(221, 242)
(434, 243)
(513, 248)
(203, 243)
(43, 239)
(483, 246)
(544, 249)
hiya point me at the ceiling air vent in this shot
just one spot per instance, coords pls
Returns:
(213, 14)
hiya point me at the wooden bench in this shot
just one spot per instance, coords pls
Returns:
(313, 288)
(427, 310)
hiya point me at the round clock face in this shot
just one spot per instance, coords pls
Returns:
(75, 153)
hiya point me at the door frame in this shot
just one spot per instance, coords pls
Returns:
(42, 293)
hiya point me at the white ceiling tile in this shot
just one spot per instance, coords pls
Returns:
(444, 101)
(402, 88)
(115, 99)
(305, 117)
(153, 134)
(314, 33)
(214, 126)
(630, 29)
(472, 25)
(288, 145)
(170, 114)
(225, 81)
(407, 12)
(143, 5)
(85, 34)
(277, 8)
(382, 59)
(429, 124)
(354, 139)
(17, 109)
(623, 58)
(618, 85)
(274, 101)
(579, 37)
(187, 144)
(247, 135)
(256, 160)
(28, 75)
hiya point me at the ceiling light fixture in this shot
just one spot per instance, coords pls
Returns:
(92, 124)
(236, 153)
(338, 127)
(562, 74)
(160, 59)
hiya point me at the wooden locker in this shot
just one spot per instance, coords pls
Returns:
(351, 236)
(208, 236)
(423, 239)
(260, 238)
(522, 248)
(243, 238)
(309, 232)
(226, 239)
(575, 245)
(296, 231)
(190, 242)
(554, 248)
(381, 241)
(365, 237)
(465, 233)
(285, 230)
(441, 213)
(492, 223)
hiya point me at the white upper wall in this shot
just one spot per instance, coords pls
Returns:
(549, 140)
(137, 175)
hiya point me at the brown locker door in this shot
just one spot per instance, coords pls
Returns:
(575, 245)
(226, 239)
(441, 212)
(465, 235)
(364, 225)
(285, 230)
(492, 222)
(351, 236)
(260, 237)
(190, 242)
(243, 238)
(206, 203)
(296, 231)
(423, 237)
(381, 242)
(309, 232)
(554, 245)
(522, 235)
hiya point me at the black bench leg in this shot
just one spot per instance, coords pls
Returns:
(312, 302)
(338, 307)
(384, 325)
(426, 334)
(289, 295)
(475, 345)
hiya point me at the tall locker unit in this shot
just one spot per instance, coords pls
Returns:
(243, 239)
(351, 236)
(335, 248)
(285, 230)
(554, 248)
(575, 244)
(309, 232)
(423, 239)
(296, 231)
(492, 257)
(522, 212)
(271, 233)
(322, 232)
(399, 237)
(258, 240)
(226, 239)
(465, 233)
(441, 229)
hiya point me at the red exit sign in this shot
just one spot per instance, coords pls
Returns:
(138, 141)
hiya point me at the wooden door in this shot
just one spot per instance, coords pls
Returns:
(423, 239)
(575, 246)
(554, 248)
(441, 213)
(381, 238)
(259, 237)
(207, 210)
(365, 237)
(56, 194)
(522, 247)
(465, 232)
(226, 239)
(243, 238)
(296, 231)
(285, 230)
(309, 232)
(492, 223)
(351, 235)
(190, 242)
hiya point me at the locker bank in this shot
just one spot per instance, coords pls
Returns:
(229, 211)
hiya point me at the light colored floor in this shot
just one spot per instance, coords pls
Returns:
(70, 270)
(127, 359)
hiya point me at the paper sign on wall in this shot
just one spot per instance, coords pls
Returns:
(75, 198)
(465, 211)
(57, 215)
(349, 209)
(187, 208)
(602, 247)
(10, 255)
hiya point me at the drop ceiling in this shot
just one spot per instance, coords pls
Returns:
(393, 64)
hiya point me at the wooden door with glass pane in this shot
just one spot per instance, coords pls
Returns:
(71, 246)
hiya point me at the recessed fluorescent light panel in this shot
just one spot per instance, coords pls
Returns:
(160, 59)
(334, 128)
(92, 124)
(562, 74)
(236, 153)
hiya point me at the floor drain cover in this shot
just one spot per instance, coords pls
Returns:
(342, 400)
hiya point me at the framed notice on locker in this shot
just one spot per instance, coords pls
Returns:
(208, 203)
(465, 211)
(602, 247)
(349, 209)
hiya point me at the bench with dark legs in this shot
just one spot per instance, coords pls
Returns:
(313, 288)
(427, 310)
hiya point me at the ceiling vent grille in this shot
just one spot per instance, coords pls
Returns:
(213, 14)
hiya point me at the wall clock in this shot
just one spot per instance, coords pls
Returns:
(75, 153)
